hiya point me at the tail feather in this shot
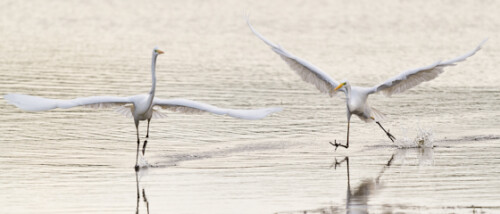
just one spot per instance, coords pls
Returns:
(379, 116)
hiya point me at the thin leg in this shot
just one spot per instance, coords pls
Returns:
(389, 163)
(138, 194)
(392, 138)
(147, 134)
(145, 200)
(146, 141)
(337, 163)
(348, 182)
(138, 143)
(347, 144)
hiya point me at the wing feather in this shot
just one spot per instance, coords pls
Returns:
(307, 71)
(125, 110)
(34, 103)
(158, 114)
(190, 107)
(414, 77)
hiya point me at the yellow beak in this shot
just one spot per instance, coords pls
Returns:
(340, 86)
(159, 52)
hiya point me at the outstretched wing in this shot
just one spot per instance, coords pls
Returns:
(189, 106)
(34, 103)
(304, 69)
(411, 78)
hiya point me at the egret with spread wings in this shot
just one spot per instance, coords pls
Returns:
(356, 97)
(140, 107)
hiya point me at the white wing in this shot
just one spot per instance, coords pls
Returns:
(304, 69)
(411, 78)
(189, 106)
(33, 103)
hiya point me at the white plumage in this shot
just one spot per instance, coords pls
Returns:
(307, 71)
(140, 107)
(356, 97)
(125, 105)
(412, 78)
(189, 106)
(34, 103)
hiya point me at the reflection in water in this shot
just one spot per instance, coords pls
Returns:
(357, 200)
(144, 198)
(173, 160)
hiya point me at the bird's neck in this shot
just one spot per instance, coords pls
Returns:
(153, 77)
(347, 91)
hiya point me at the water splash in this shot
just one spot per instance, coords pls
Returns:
(143, 163)
(424, 139)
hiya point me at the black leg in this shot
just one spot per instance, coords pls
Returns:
(337, 163)
(391, 137)
(145, 200)
(387, 165)
(347, 144)
(146, 141)
(138, 195)
(147, 134)
(138, 143)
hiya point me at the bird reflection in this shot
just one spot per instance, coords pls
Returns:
(357, 201)
(144, 198)
(357, 198)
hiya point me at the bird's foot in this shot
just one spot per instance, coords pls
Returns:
(137, 168)
(391, 137)
(337, 145)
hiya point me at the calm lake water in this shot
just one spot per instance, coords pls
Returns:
(81, 160)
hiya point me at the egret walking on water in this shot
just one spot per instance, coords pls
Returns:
(356, 97)
(140, 107)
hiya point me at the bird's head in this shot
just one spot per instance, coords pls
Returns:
(157, 51)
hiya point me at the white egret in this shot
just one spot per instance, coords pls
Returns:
(356, 97)
(140, 107)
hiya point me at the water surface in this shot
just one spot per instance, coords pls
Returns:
(81, 160)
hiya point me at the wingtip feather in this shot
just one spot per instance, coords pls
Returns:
(482, 43)
(29, 103)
